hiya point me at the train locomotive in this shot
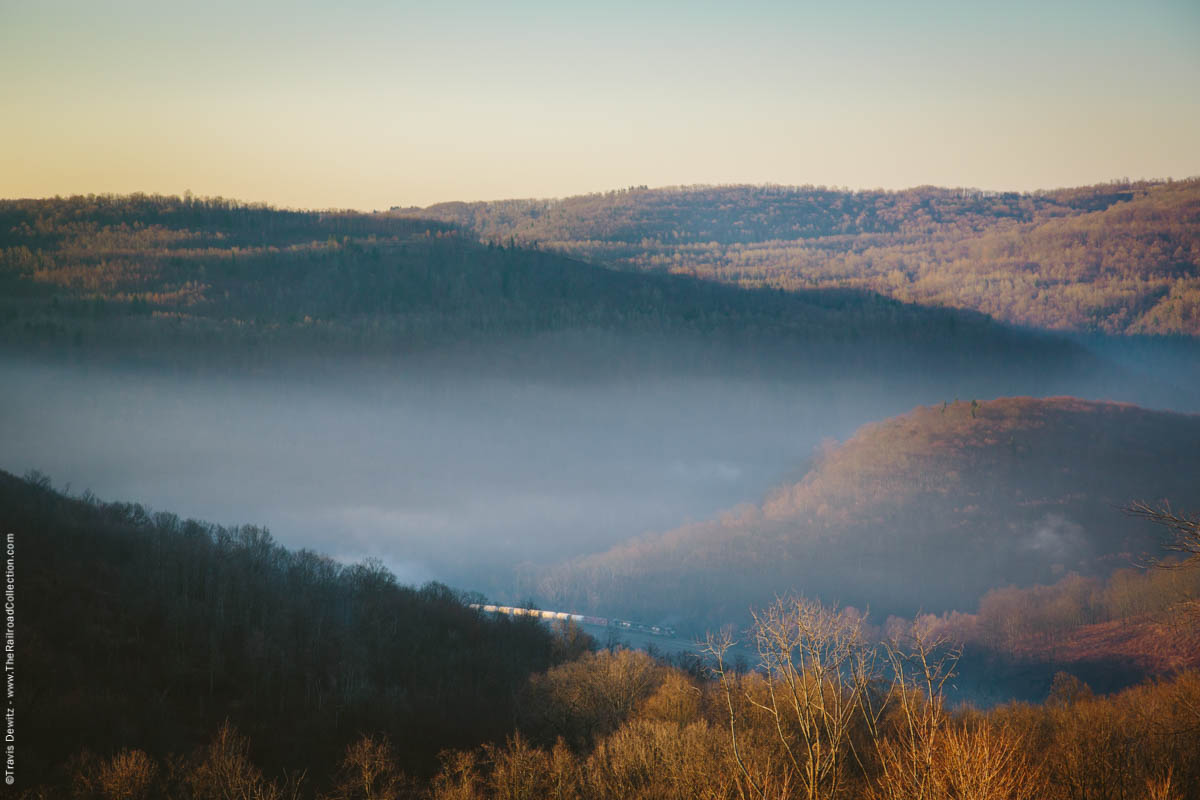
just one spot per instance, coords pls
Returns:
(583, 619)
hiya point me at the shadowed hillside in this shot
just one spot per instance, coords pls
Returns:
(923, 511)
(1113, 258)
(167, 277)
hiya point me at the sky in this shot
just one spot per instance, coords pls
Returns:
(372, 104)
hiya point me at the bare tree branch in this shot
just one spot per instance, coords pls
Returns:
(1184, 530)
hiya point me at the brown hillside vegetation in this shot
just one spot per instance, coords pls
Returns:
(1120, 258)
(1154, 645)
(1133, 625)
(1145, 618)
(734, 736)
(926, 510)
(168, 276)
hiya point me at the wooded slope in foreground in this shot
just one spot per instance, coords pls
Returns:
(145, 630)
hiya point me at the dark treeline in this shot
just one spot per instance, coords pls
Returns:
(135, 275)
(1121, 258)
(141, 630)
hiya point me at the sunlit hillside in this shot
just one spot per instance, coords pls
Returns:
(1121, 258)
(926, 511)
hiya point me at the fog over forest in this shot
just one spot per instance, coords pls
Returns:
(450, 473)
(443, 477)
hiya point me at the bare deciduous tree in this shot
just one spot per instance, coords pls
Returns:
(985, 763)
(816, 670)
(908, 753)
(1184, 530)
(369, 772)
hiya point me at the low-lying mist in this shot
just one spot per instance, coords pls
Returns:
(442, 475)
(451, 474)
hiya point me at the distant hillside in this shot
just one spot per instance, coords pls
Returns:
(1113, 258)
(141, 274)
(746, 214)
(924, 511)
(1135, 624)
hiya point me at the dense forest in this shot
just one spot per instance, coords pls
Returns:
(171, 658)
(144, 275)
(143, 630)
(1120, 258)
(926, 511)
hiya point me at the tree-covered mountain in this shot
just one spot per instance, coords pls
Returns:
(928, 511)
(1121, 258)
(149, 274)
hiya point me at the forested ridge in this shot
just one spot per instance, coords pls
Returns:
(1118, 258)
(925, 511)
(150, 274)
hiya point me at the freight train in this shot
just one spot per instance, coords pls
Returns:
(583, 619)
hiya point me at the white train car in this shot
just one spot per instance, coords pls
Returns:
(582, 619)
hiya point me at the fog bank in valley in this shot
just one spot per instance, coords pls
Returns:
(449, 474)
(444, 476)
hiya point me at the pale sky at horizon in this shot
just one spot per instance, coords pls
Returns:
(370, 104)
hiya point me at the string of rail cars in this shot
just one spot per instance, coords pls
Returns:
(583, 619)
